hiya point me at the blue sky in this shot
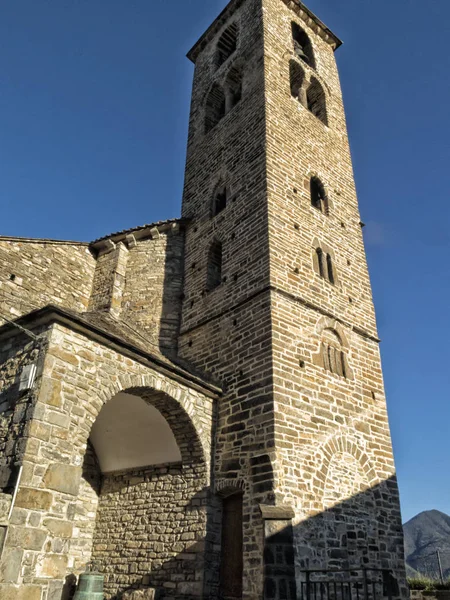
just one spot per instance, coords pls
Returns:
(94, 101)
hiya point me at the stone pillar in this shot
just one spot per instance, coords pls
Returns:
(109, 279)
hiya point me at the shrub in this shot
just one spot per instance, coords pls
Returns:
(427, 584)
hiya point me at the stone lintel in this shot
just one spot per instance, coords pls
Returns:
(282, 512)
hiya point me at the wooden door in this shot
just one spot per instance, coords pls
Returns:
(231, 567)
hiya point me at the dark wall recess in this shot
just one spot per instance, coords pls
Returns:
(279, 562)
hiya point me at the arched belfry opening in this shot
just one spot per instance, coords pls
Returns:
(144, 481)
(215, 108)
(227, 44)
(302, 45)
(317, 101)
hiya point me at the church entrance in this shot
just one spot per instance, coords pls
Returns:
(231, 567)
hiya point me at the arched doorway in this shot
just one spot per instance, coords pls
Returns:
(141, 514)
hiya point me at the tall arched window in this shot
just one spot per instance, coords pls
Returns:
(302, 45)
(227, 44)
(215, 107)
(316, 100)
(233, 87)
(318, 197)
(214, 268)
(332, 353)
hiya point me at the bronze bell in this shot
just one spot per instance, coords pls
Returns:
(299, 51)
(90, 586)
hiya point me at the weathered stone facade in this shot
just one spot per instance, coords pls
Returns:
(241, 338)
(59, 498)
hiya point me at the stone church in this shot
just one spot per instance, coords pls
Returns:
(195, 408)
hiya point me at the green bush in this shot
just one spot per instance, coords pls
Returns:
(420, 583)
(426, 584)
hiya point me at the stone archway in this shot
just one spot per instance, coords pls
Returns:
(54, 520)
(340, 527)
(141, 509)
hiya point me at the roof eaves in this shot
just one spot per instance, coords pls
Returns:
(139, 232)
(313, 19)
(11, 238)
(327, 34)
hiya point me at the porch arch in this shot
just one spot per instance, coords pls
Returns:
(171, 401)
(130, 517)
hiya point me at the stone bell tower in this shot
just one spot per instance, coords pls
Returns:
(278, 308)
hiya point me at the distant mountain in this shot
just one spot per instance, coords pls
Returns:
(426, 533)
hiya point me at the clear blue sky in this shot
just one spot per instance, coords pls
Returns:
(94, 101)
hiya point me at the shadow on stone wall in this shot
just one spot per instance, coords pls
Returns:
(172, 298)
(346, 537)
(170, 549)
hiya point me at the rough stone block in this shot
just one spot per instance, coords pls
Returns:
(5, 504)
(51, 392)
(10, 565)
(24, 592)
(59, 528)
(143, 594)
(63, 478)
(26, 538)
(55, 590)
(190, 588)
(33, 499)
(64, 356)
(54, 566)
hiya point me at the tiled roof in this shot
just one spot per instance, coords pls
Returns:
(120, 333)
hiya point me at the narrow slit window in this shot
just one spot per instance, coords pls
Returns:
(330, 269)
(320, 260)
(318, 196)
(323, 265)
(214, 271)
(219, 200)
(332, 353)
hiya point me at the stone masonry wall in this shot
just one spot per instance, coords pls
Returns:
(85, 513)
(150, 528)
(325, 423)
(16, 408)
(226, 331)
(109, 280)
(78, 377)
(299, 146)
(153, 288)
(288, 423)
(34, 273)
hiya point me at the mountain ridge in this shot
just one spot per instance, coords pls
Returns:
(426, 534)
